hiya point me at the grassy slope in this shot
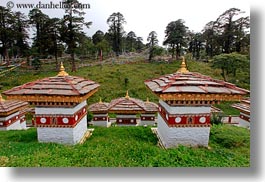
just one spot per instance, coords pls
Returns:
(125, 147)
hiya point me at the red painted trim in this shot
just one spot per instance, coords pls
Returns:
(57, 120)
(147, 118)
(245, 118)
(13, 120)
(126, 121)
(171, 119)
(100, 118)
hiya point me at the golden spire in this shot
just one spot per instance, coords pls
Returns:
(127, 95)
(1, 98)
(100, 101)
(147, 100)
(62, 71)
(183, 67)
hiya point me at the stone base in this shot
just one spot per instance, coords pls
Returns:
(147, 123)
(188, 136)
(243, 123)
(101, 123)
(69, 136)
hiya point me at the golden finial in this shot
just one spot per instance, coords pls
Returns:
(127, 95)
(62, 71)
(100, 101)
(1, 98)
(147, 100)
(183, 67)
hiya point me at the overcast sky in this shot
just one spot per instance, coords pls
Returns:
(144, 16)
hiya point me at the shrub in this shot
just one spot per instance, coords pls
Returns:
(230, 136)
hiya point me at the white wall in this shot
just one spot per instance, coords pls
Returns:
(63, 135)
(185, 109)
(15, 126)
(189, 136)
(101, 123)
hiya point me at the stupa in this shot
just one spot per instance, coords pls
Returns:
(127, 108)
(60, 106)
(244, 108)
(12, 114)
(100, 114)
(185, 100)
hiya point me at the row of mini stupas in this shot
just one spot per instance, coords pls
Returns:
(60, 106)
(126, 110)
(184, 109)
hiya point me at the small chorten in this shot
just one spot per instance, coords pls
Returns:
(183, 66)
(12, 114)
(100, 114)
(60, 106)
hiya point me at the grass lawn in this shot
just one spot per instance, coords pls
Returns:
(125, 147)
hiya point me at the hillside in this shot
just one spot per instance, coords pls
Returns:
(117, 77)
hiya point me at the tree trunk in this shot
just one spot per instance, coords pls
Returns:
(177, 52)
(73, 61)
(224, 75)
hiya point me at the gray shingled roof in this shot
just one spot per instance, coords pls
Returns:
(192, 83)
(11, 105)
(66, 85)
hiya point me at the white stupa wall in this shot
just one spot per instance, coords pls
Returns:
(185, 109)
(188, 136)
(244, 120)
(182, 134)
(69, 136)
(17, 125)
(14, 126)
(145, 121)
(98, 120)
(23, 125)
(62, 135)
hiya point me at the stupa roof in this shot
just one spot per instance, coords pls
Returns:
(131, 105)
(99, 107)
(60, 88)
(184, 83)
(243, 106)
(150, 106)
(8, 107)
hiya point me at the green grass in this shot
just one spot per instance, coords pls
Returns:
(125, 147)
(227, 109)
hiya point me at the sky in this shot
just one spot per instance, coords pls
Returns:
(144, 16)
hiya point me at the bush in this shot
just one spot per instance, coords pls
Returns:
(216, 119)
(230, 136)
